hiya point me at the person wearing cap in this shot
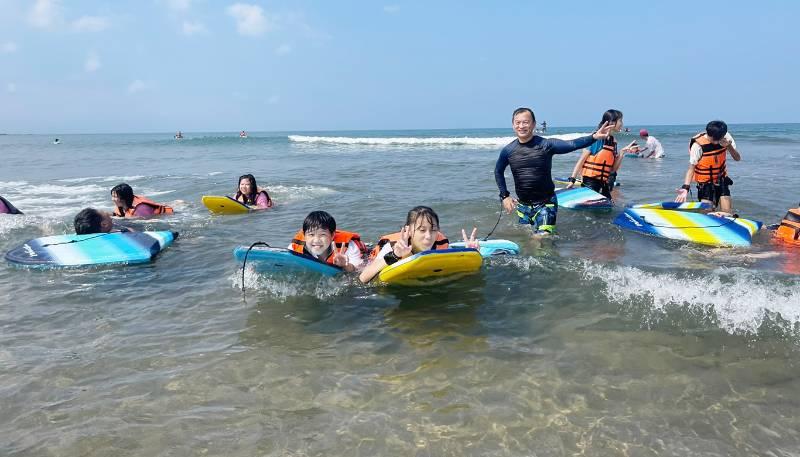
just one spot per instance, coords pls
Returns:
(653, 146)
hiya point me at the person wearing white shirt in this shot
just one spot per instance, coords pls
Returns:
(707, 167)
(652, 148)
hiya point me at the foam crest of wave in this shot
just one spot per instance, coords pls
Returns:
(284, 287)
(491, 142)
(103, 179)
(740, 299)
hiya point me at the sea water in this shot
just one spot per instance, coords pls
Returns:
(599, 342)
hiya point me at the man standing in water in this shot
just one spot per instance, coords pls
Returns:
(531, 160)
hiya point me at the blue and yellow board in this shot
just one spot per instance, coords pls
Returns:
(692, 227)
(86, 250)
(280, 261)
(685, 206)
(220, 204)
(582, 198)
(433, 267)
(489, 248)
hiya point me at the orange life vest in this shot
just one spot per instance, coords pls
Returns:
(240, 197)
(137, 200)
(711, 166)
(441, 243)
(600, 165)
(789, 230)
(340, 238)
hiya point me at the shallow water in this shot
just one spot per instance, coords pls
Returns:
(601, 342)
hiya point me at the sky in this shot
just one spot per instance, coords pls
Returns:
(85, 66)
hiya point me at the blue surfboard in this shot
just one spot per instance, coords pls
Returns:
(582, 198)
(85, 250)
(490, 248)
(282, 261)
(688, 226)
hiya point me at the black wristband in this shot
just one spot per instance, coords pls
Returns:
(686, 187)
(504, 195)
(390, 258)
(571, 179)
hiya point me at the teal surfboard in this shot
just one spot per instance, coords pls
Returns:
(85, 250)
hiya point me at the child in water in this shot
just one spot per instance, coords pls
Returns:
(421, 233)
(319, 239)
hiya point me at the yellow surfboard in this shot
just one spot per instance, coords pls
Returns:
(433, 267)
(224, 205)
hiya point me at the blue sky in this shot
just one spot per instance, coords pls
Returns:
(213, 65)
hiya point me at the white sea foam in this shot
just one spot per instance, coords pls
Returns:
(487, 142)
(740, 299)
(103, 179)
(292, 193)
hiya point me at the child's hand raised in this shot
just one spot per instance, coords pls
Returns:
(402, 248)
(471, 242)
(340, 256)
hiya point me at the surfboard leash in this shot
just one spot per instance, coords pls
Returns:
(244, 262)
(495, 225)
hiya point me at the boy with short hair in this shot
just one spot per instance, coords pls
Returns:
(319, 239)
(707, 166)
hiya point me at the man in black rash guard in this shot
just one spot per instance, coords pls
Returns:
(531, 160)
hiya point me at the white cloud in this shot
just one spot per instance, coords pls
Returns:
(8, 47)
(91, 24)
(250, 19)
(45, 13)
(137, 86)
(193, 28)
(283, 49)
(92, 63)
(179, 5)
(11, 87)
(391, 9)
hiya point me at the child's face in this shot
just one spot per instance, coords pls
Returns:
(245, 187)
(318, 240)
(423, 235)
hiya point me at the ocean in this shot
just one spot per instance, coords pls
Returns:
(598, 342)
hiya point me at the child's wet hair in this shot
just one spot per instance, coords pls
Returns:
(716, 130)
(425, 213)
(319, 220)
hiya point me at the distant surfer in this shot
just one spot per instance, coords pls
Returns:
(707, 167)
(178, 135)
(319, 239)
(251, 195)
(544, 126)
(652, 146)
(420, 233)
(598, 165)
(126, 204)
(7, 208)
(56, 141)
(242, 134)
(531, 160)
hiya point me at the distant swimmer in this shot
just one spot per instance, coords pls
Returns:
(178, 135)
(56, 141)
(627, 130)
(531, 160)
(129, 205)
(320, 239)
(544, 126)
(242, 134)
(421, 233)
(707, 167)
(90, 220)
(251, 195)
(652, 148)
(7, 208)
(598, 165)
